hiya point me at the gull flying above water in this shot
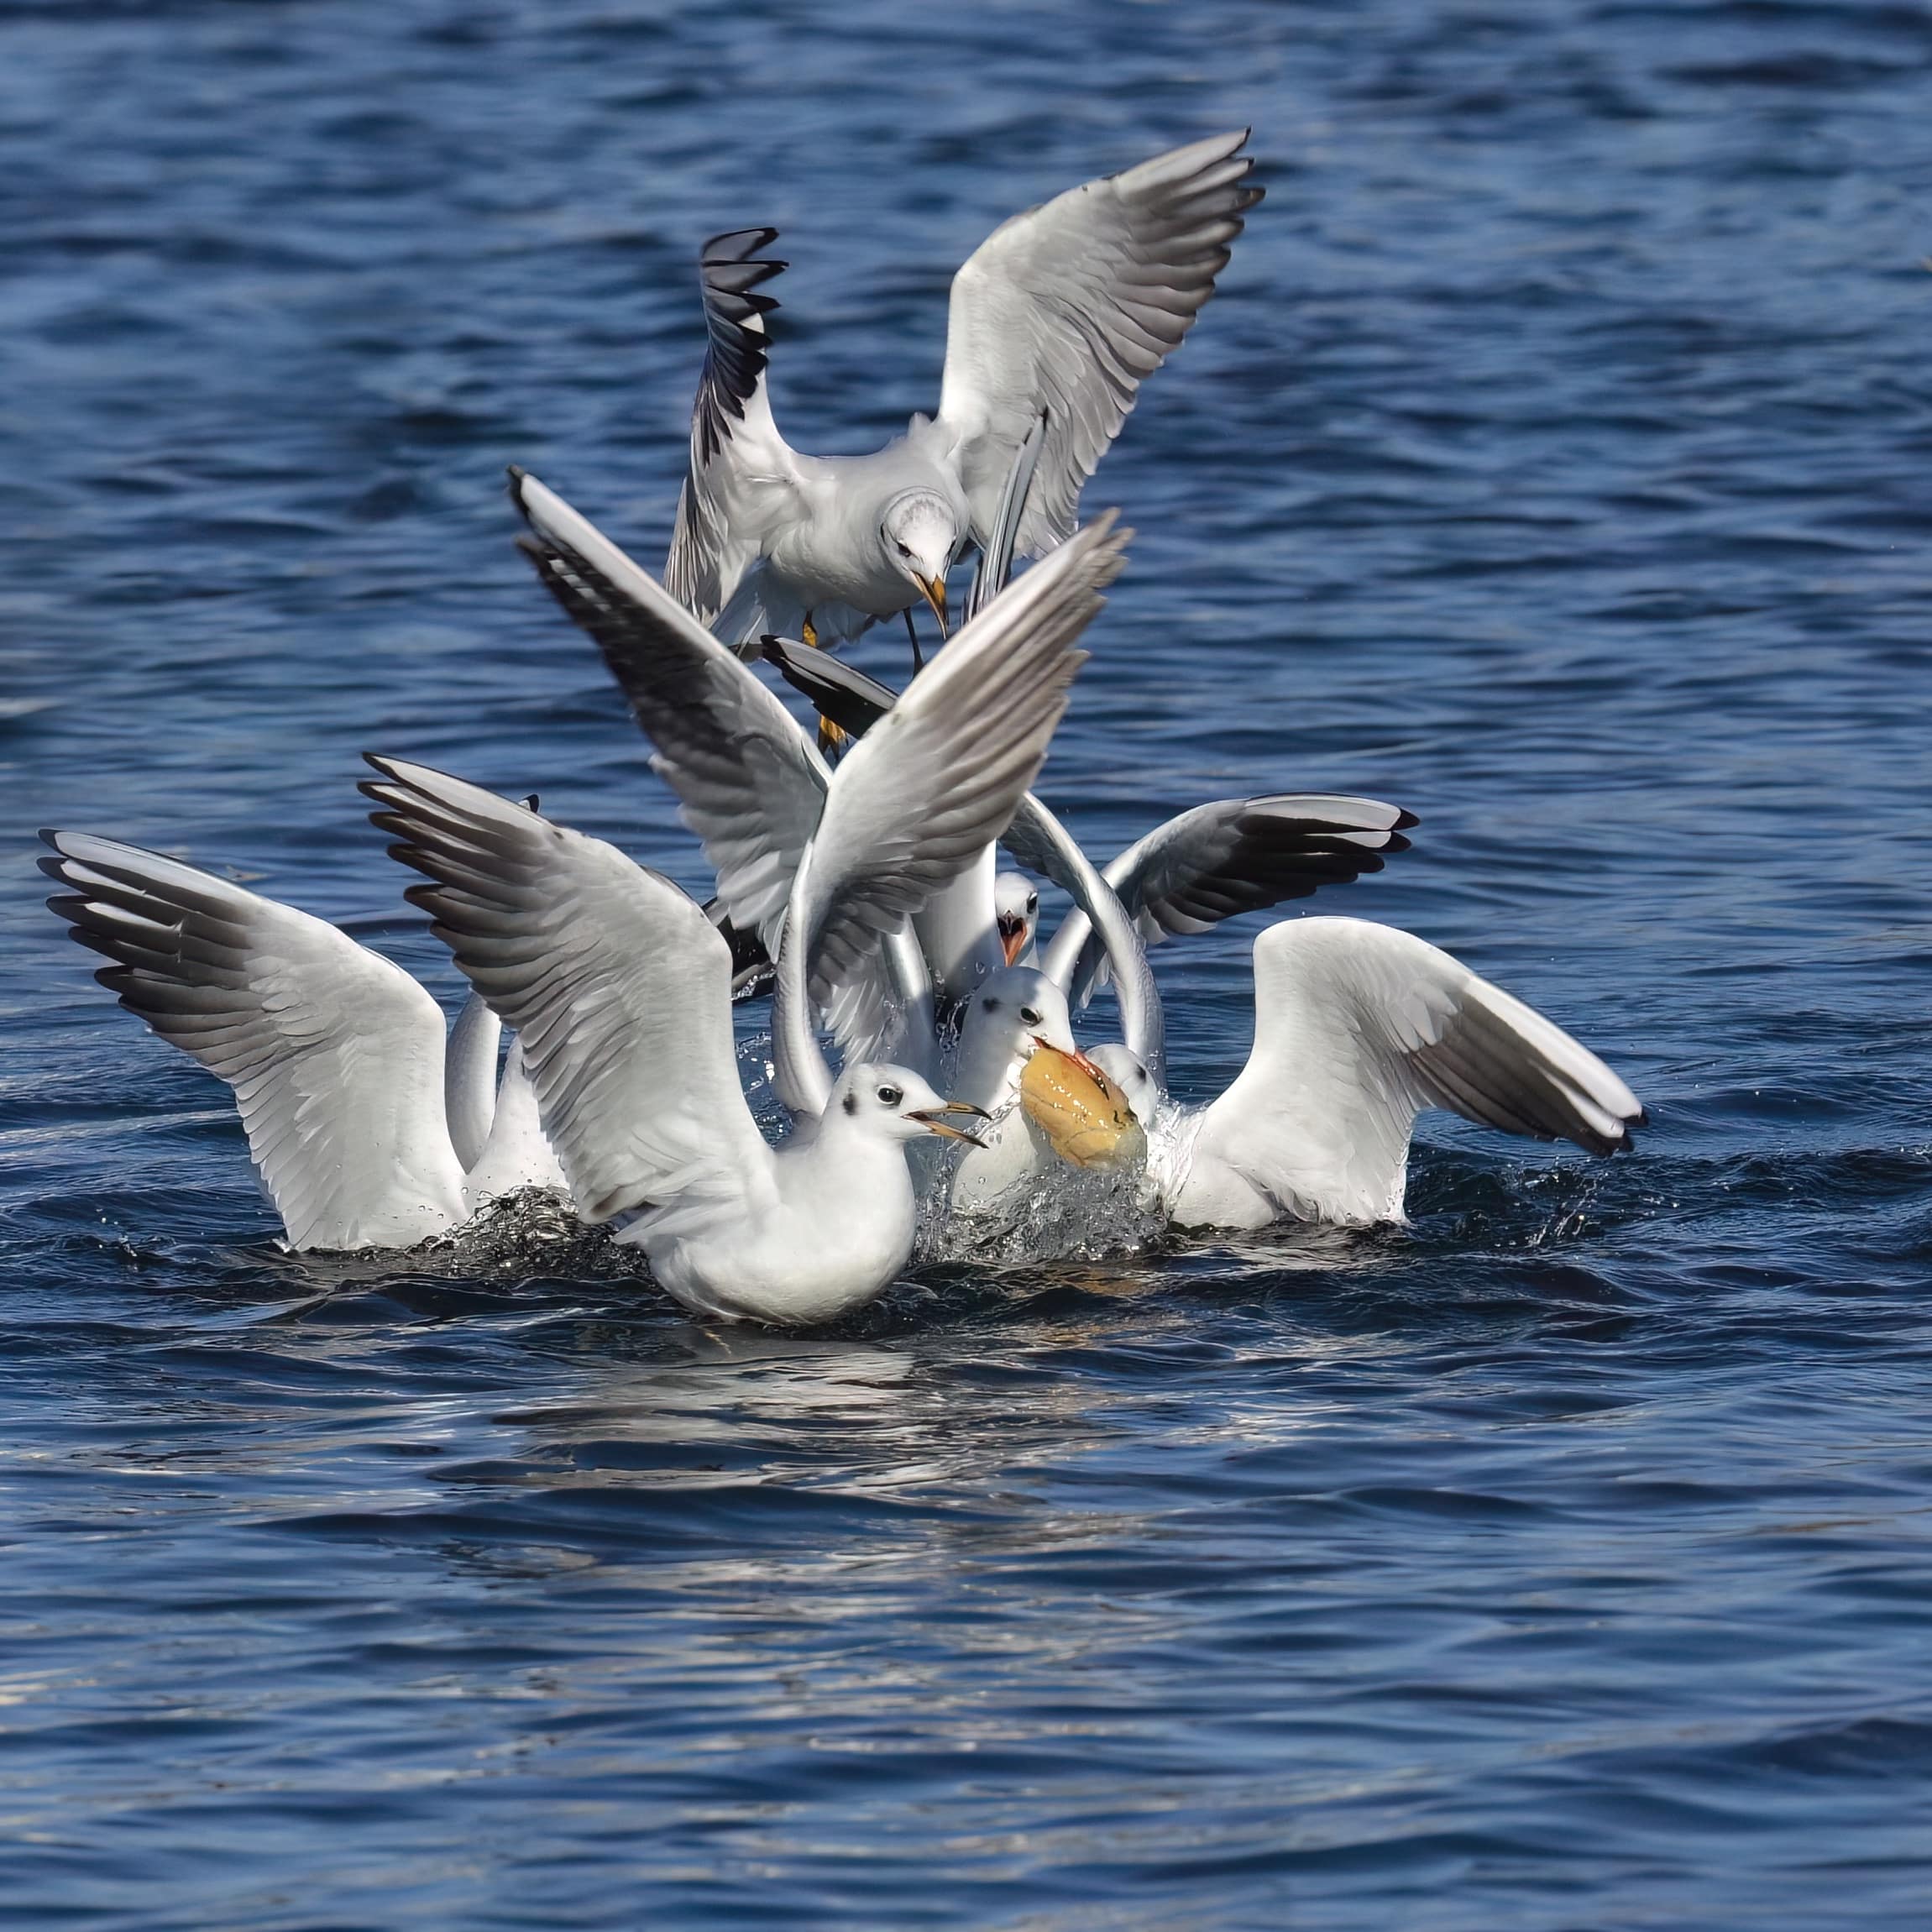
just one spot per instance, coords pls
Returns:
(1060, 314)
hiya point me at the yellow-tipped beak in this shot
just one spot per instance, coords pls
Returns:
(936, 595)
(931, 1118)
(1084, 1116)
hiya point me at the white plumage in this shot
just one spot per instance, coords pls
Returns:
(1061, 313)
(336, 1055)
(619, 988)
(1357, 1028)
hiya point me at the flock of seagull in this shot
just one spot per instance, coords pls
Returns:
(858, 880)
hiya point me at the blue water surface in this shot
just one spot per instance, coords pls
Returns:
(1555, 463)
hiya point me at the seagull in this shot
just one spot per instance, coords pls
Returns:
(752, 786)
(336, 1055)
(1326, 1146)
(1227, 857)
(1060, 314)
(1016, 916)
(620, 988)
(1044, 1098)
(1357, 1028)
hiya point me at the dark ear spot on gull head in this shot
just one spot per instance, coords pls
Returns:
(852, 1103)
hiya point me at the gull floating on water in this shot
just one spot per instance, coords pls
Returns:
(336, 1055)
(619, 989)
(1061, 313)
(1357, 1028)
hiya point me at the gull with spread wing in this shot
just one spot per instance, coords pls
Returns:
(1358, 1029)
(619, 986)
(750, 783)
(365, 1130)
(1060, 314)
(620, 990)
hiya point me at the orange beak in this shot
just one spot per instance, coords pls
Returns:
(930, 1118)
(1011, 936)
(934, 590)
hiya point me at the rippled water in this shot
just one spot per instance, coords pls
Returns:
(1554, 463)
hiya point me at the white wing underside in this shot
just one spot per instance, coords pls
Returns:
(741, 486)
(335, 1054)
(1357, 1028)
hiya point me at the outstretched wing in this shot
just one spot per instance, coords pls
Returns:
(1066, 309)
(335, 1054)
(936, 779)
(1357, 1028)
(932, 784)
(618, 986)
(749, 782)
(1233, 856)
(741, 473)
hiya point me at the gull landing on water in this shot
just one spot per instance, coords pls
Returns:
(1061, 313)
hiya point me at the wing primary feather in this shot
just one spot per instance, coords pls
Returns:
(334, 1053)
(616, 983)
(730, 268)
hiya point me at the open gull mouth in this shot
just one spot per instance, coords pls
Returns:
(1011, 935)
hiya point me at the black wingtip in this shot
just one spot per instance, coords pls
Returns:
(1405, 819)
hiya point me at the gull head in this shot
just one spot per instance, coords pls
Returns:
(1016, 912)
(1010, 1013)
(919, 531)
(894, 1104)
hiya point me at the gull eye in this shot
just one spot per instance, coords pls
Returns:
(890, 1095)
(1030, 1017)
(1033, 902)
(903, 551)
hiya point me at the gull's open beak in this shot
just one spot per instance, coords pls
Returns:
(931, 1118)
(1084, 1116)
(936, 595)
(1011, 936)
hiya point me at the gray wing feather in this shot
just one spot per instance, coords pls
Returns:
(618, 986)
(750, 782)
(740, 468)
(937, 778)
(1231, 857)
(335, 1054)
(1068, 308)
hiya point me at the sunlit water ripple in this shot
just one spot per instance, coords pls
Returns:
(1553, 463)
